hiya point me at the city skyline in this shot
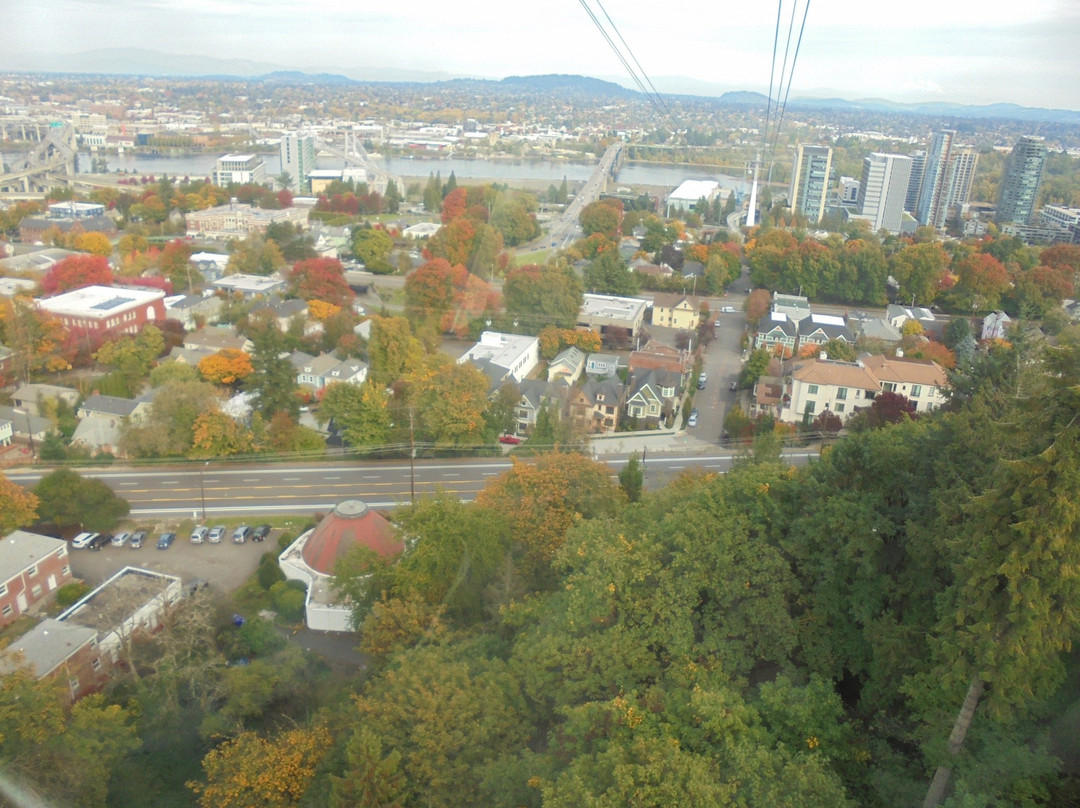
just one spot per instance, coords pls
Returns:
(972, 53)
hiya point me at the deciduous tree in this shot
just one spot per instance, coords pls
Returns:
(67, 498)
(320, 279)
(18, 507)
(75, 272)
(372, 247)
(450, 400)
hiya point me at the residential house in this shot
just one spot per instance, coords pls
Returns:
(898, 315)
(818, 385)
(217, 338)
(535, 395)
(506, 356)
(921, 381)
(652, 396)
(675, 311)
(818, 329)
(995, 325)
(24, 426)
(283, 311)
(767, 396)
(210, 265)
(567, 366)
(32, 568)
(603, 365)
(30, 397)
(597, 403)
(658, 356)
(880, 329)
(6, 432)
(112, 407)
(250, 286)
(193, 311)
(321, 371)
(796, 307)
(99, 434)
(777, 331)
(56, 649)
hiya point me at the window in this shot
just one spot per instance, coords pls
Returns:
(888, 387)
(35, 590)
(841, 393)
(810, 405)
(32, 571)
(96, 664)
(916, 390)
(3, 589)
(67, 570)
(839, 407)
(7, 610)
(812, 390)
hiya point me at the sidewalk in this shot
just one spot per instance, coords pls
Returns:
(662, 441)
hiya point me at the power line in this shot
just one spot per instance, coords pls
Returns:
(636, 62)
(787, 90)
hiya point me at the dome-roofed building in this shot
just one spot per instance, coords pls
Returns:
(311, 558)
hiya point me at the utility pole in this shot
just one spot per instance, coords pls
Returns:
(202, 490)
(412, 458)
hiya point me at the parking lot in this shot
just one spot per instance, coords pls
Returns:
(225, 566)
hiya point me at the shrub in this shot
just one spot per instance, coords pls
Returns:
(269, 573)
(288, 601)
(70, 593)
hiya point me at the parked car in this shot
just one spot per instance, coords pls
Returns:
(198, 535)
(701, 380)
(727, 310)
(82, 541)
(136, 540)
(165, 541)
(260, 533)
(120, 539)
(241, 533)
(733, 387)
(99, 541)
(510, 440)
(216, 534)
(692, 420)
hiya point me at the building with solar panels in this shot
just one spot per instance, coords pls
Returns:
(101, 309)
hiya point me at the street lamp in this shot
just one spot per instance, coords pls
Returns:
(202, 490)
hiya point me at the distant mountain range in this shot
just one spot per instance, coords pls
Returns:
(142, 62)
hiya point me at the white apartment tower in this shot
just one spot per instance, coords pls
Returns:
(298, 160)
(883, 189)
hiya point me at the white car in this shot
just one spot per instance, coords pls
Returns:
(82, 541)
(727, 310)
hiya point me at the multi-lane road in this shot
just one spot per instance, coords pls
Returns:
(236, 490)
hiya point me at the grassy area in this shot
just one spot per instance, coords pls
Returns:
(533, 257)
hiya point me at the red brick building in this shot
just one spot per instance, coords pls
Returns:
(101, 309)
(32, 568)
(66, 651)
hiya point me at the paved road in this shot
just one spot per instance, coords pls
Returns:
(250, 490)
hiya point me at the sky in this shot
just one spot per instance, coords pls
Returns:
(965, 51)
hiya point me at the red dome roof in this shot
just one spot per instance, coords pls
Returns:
(351, 523)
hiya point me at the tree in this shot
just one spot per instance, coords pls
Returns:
(75, 272)
(37, 338)
(393, 351)
(133, 356)
(601, 217)
(514, 222)
(372, 247)
(93, 242)
(67, 498)
(453, 204)
(362, 413)
(392, 200)
(215, 434)
(369, 779)
(228, 366)
(539, 296)
(756, 366)
(632, 478)
(758, 304)
(450, 399)
(168, 428)
(919, 268)
(320, 279)
(273, 378)
(609, 274)
(18, 507)
(173, 372)
(249, 770)
(453, 241)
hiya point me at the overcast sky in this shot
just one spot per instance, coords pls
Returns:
(969, 51)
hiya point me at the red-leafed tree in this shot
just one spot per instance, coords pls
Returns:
(77, 271)
(454, 241)
(321, 279)
(983, 278)
(889, 408)
(447, 294)
(454, 205)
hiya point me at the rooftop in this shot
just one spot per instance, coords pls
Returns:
(21, 548)
(99, 302)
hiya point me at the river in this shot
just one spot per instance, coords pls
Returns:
(420, 168)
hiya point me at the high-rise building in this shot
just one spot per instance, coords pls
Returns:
(810, 181)
(883, 189)
(959, 175)
(931, 202)
(918, 165)
(298, 160)
(849, 191)
(1020, 185)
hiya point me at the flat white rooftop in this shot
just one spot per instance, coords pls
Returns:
(615, 308)
(100, 302)
(695, 189)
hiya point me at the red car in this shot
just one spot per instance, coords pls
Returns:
(511, 440)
